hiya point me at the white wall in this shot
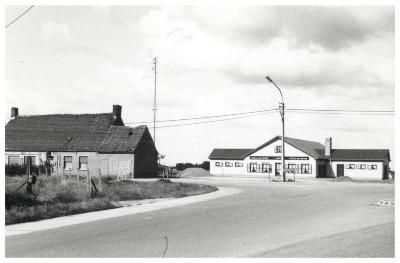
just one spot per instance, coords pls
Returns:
(224, 170)
(269, 150)
(109, 164)
(360, 173)
(21, 156)
(290, 151)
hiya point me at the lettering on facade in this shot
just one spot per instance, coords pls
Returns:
(279, 158)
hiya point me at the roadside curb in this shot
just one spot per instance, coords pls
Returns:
(145, 206)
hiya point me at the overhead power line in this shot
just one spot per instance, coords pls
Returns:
(18, 17)
(207, 117)
(248, 114)
(218, 120)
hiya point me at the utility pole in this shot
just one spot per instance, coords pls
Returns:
(282, 112)
(155, 98)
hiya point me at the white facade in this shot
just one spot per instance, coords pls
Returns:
(266, 162)
(359, 170)
(79, 162)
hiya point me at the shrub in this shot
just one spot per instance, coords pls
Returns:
(15, 169)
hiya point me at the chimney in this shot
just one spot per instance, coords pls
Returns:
(117, 109)
(14, 112)
(328, 146)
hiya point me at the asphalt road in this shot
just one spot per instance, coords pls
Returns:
(264, 220)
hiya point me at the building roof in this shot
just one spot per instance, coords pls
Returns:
(228, 154)
(122, 139)
(309, 147)
(360, 155)
(314, 149)
(71, 132)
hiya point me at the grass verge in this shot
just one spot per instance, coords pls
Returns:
(54, 198)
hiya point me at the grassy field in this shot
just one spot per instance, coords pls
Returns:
(53, 198)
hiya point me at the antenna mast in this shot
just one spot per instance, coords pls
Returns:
(155, 98)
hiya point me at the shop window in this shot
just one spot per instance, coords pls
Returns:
(237, 164)
(228, 164)
(350, 166)
(305, 168)
(12, 159)
(83, 162)
(266, 168)
(67, 162)
(252, 167)
(292, 167)
(218, 164)
(278, 148)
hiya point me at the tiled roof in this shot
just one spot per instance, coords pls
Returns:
(122, 139)
(69, 132)
(228, 154)
(360, 155)
(309, 147)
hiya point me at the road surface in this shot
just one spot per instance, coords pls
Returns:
(302, 219)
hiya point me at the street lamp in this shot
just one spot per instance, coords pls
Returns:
(282, 112)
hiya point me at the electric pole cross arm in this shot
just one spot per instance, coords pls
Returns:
(282, 112)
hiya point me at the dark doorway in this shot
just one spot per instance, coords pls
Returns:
(277, 169)
(385, 172)
(340, 170)
(321, 170)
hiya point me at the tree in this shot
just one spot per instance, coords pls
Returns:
(179, 166)
(206, 165)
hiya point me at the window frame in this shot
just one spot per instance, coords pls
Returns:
(219, 164)
(228, 164)
(14, 156)
(278, 148)
(65, 162)
(238, 164)
(360, 166)
(308, 170)
(80, 163)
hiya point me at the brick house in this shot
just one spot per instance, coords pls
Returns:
(81, 143)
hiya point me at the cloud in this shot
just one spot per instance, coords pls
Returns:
(329, 28)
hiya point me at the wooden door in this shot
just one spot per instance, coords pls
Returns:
(339, 170)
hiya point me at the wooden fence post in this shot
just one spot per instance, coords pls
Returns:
(99, 179)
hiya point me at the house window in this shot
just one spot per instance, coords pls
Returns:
(83, 162)
(292, 167)
(350, 166)
(228, 164)
(252, 167)
(305, 168)
(278, 149)
(67, 162)
(266, 168)
(360, 166)
(12, 159)
(372, 167)
(237, 164)
(218, 164)
(32, 159)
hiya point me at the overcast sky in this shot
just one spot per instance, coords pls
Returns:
(212, 60)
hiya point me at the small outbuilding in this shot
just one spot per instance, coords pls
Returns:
(81, 144)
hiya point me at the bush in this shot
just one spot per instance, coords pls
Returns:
(15, 169)
(206, 165)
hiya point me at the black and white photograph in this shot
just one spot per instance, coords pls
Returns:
(173, 130)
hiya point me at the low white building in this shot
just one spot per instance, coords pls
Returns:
(302, 158)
